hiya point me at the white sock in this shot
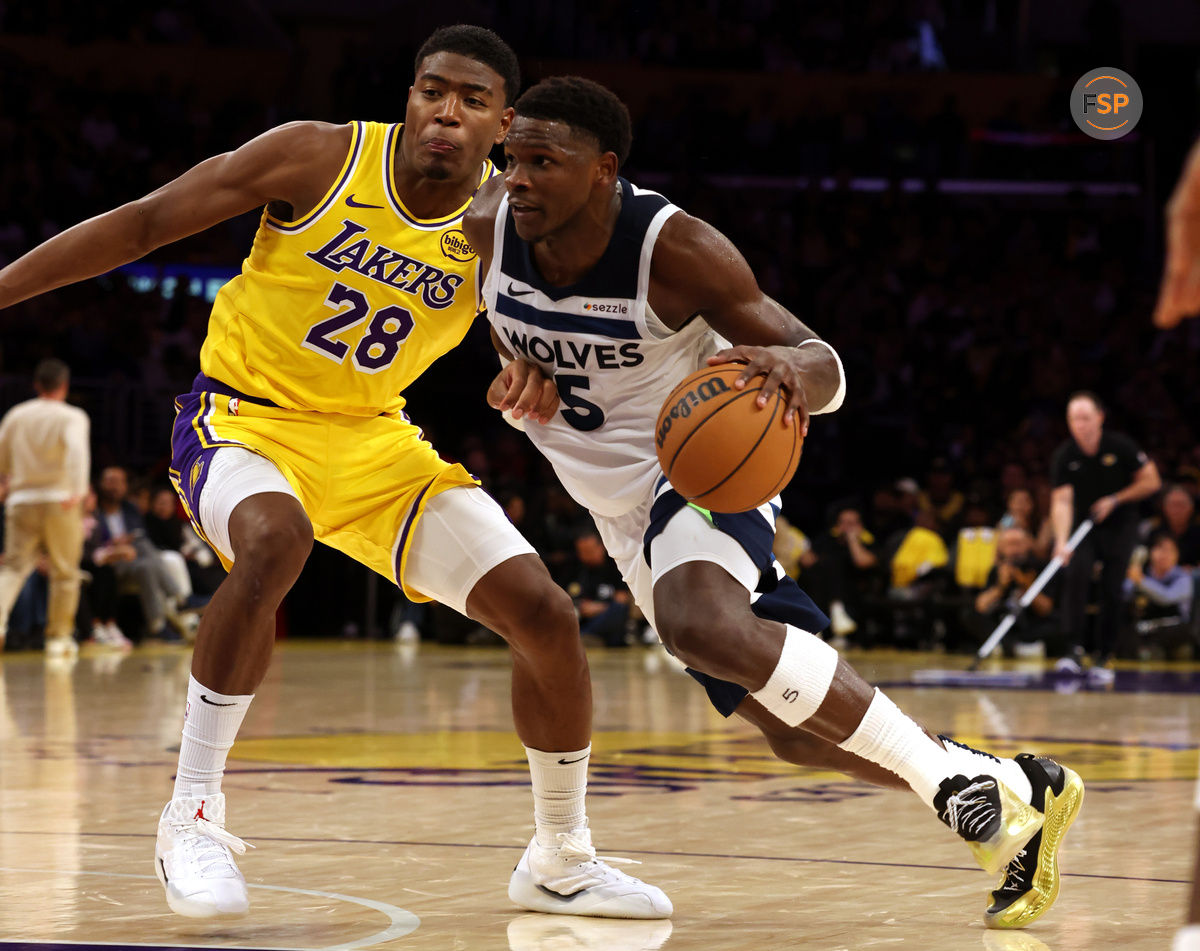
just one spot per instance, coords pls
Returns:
(972, 763)
(1187, 938)
(559, 787)
(210, 725)
(890, 738)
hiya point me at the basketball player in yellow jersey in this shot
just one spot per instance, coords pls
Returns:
(1178, 300)
(358, 279)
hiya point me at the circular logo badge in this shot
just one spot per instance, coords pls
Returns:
(456, 246)
(1106, 103)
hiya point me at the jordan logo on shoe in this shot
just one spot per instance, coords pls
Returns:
(200, 812)
(213, 703)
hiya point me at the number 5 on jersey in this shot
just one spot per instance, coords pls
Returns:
(388, 329)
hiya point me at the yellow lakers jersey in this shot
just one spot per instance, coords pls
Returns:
(340, 310)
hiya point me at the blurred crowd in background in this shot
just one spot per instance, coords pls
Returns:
(903, 174)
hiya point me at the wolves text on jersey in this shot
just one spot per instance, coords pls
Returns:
(574, 355)
(380, 263)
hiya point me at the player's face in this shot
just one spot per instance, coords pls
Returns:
(455, 114)
(549, 173)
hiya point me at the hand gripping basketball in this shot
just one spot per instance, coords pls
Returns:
(719, 448)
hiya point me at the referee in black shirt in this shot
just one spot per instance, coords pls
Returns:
(1100, 475)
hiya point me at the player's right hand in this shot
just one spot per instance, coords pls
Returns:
(523, 389)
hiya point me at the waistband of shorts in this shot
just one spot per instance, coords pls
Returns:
(206, 384)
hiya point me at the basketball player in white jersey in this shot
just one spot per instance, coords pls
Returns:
(602, 296)
(358, 280)
(1179, 299)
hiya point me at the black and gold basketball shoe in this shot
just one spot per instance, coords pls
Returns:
(1031, 879)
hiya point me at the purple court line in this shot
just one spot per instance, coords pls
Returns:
(692, 855)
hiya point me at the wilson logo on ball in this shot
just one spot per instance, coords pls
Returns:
(685, 404)
(719, 448)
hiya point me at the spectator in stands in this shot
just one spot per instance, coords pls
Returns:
(1176, 517)
(1015, 569)
(844, 579)
(98, 604)
(942, 500)
(792, 548)
(1021, 511)
(135, 559)
(1160, 596)
(45, 457)
(1097, 474)
(182, 548)
(600, 595)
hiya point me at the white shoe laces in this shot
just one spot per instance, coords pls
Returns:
(1014, 873)
(577, 848)
(209, 843)
(969, 810)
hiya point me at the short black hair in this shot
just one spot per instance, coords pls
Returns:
(1088, 395)
(480, 44)
(50, 374)
(584, 105)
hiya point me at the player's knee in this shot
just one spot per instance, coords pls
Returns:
(544, 616)
(278, 547)
(698, 632)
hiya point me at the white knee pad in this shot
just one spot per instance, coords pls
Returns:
(800, 683)
(233, 476)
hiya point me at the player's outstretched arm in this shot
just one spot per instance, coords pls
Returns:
(697, 271)
(295, 163)
(1179, 295)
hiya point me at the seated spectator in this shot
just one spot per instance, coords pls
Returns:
(599, 593)
(98, 600)
(121, 532)
(1015, 569)
(184, 550)
(1021, 511)
(846, 570)
(942, 500)
(1160, 596)
(921, 551)
(792, 548)
(1176, 517)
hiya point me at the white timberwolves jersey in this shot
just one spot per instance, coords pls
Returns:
(613, 360)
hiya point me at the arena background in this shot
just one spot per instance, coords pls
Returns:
(905, 176)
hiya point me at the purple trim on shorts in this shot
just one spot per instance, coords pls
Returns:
(206, 384)
(408, 524)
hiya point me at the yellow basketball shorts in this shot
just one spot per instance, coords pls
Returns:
(363, 481)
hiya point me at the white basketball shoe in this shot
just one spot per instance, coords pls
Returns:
(192, 859)
(570, 879)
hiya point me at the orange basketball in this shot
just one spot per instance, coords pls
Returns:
(718, 448)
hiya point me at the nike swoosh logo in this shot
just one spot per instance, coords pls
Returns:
(513, 292)
(213, 703)
(358, 204)
(565, 899)
(568, 762)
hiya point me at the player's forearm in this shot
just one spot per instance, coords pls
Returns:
(86, 250)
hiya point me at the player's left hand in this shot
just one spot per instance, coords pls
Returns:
(784, 370)
(522, 388)
(1179, 294)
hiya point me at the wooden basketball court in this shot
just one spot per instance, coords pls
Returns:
(387, 797)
